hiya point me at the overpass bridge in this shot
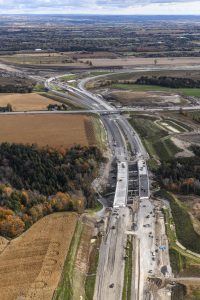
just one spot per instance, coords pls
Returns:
(121, 192)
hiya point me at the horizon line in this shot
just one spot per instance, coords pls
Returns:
(93, 14)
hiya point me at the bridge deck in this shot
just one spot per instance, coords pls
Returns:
(120, 199)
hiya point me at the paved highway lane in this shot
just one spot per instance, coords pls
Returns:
(146, 236)
(110, 273)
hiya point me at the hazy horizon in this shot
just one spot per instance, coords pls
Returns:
(95, 14)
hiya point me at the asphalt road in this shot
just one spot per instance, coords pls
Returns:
(111, 260)
(110, 273)
(146, 236)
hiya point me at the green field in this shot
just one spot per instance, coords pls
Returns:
(68, 77)
(195, 92)
(155, 139)
(190, 92)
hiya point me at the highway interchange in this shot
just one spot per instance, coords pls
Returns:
(147, 236)
(148, 259)
(110, 273)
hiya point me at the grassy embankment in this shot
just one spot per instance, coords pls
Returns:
(183, 224)
(126, 295)
(194, 92)
(68, 78)
(97, 73)
(64, 290)
(155, 139)
(100, 133)
(180, 127)
(179, 228)
(91, 276)
(41, 90)
(69, 103)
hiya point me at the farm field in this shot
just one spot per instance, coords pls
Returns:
(31, 265)
(26, 102)
(103, 60)
(53, 58)
(194, 92)
(39, 58)
(134, 61)
(52, 130)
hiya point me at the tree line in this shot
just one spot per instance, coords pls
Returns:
(21, 209)
(181, 175)
(171, 82)
(14, 88)
(36, 182)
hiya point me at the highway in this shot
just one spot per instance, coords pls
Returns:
(111, 259)
(110, 272)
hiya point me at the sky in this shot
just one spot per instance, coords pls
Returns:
(129, 7)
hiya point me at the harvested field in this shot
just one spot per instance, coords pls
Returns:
(31, 265)
(55, 58)
(26, 102)
(98, 60)
(52, 130)
(3, 243)
(134, 61)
